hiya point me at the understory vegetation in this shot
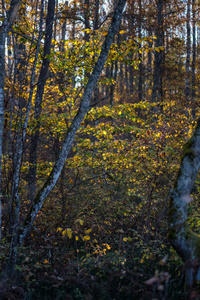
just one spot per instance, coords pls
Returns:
(100, 231)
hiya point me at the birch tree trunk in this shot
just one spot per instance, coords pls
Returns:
(8, 20)
(193, 57)
(15, 200)
(83, 110)
(184, 241)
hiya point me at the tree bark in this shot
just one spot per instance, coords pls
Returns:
(187, 67)
(8, 20)
(158, 59)
(114, 76)
(96, 27)
(83, 110)
(193, 57)
(96, 15)
(38, 100)
(86, 33)
(21, 79)
(140, 83)
(121, 85)
(184, 241)
(15, 200)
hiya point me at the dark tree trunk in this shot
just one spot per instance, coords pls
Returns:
(96, 15)
(149, 63)
(57, 143)
(131, 77)
(131, 71)
(108, 72)
(127, 79)
(87, 18)
(38, 100)
(86, 33)
(121, 82)
(96, 27)
(114, 69)
(140, 83)
(187, 67)
(158, 59)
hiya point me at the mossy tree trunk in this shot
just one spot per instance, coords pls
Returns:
(184, 241)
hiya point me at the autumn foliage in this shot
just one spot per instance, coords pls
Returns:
(102, 231)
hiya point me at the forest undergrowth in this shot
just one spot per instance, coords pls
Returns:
(102, 233)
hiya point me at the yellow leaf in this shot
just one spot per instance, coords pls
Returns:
(108, 247)
(64, 232)
(88, 231)
(125, 239)
(59, 229)
(76, 238)
(46, 261)
(69, 233)
(87, 30)
(80, 221)
(86, 237)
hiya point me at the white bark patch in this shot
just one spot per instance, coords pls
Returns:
(187, 198)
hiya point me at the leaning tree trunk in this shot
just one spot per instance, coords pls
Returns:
(83, 110)
(182, 238)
